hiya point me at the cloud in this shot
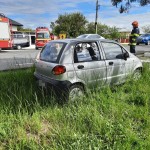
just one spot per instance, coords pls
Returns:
(33, 13)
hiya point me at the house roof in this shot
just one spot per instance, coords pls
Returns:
(14, 23)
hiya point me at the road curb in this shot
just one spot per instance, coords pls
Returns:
(147, 54)
(145, 61)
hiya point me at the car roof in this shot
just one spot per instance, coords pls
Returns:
(89, 34)
(82, 40)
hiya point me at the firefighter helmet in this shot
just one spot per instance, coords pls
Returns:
(135, 24)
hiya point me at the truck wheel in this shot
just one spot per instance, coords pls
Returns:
(36, 48)
(18, 47)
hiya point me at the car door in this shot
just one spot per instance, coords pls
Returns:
(89, 67)
(115, 62)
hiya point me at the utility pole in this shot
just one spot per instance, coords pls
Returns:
(97, 6)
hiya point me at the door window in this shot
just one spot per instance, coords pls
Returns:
(112, 51)
(87, 51)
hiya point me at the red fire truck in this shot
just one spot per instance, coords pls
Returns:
(5, 33)
(42, 37)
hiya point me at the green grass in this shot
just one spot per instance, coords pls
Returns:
(114, 118)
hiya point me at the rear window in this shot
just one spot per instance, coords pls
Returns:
(51, 51)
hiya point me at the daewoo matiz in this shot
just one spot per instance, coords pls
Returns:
(71, 65)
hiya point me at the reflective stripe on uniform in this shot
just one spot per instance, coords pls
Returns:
(133, 39)
(132, 43)
(134, 35)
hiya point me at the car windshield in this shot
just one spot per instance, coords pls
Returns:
(82, 36)
(51, 51)
(43, 35)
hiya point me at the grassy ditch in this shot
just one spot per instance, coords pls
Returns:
(116, 118)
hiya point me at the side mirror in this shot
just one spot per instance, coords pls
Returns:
(126, 55)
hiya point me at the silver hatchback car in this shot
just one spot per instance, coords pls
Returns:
(71, 65)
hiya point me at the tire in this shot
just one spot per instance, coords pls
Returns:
(19, 47)
(75, 91)
(36, 48)
(137, 74)
(137, 43)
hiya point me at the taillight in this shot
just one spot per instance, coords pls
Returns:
(57, 70)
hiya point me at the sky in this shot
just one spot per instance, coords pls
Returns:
(34, 13)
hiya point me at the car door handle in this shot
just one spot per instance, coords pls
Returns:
(111, 63)
(80, 67)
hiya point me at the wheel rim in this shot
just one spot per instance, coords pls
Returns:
(75, 93)
(137, 75)
(18, 47)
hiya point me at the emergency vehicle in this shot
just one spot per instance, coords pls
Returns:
(42, 37)
(5, 33)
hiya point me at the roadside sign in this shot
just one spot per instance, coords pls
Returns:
(62, 36)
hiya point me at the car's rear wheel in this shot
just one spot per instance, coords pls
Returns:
(36, 48)
(75, 91)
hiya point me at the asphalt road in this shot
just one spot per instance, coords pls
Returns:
(140, 49)
(12, 59)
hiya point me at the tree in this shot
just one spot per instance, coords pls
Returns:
(72, 24)
(126, 4)
(113, 33)
(146, 29)
(103, 30)
(24, 29)
(52, 25)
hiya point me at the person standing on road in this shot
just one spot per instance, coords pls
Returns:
(134, 34)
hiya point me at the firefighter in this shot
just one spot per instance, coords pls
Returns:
(134, 34)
